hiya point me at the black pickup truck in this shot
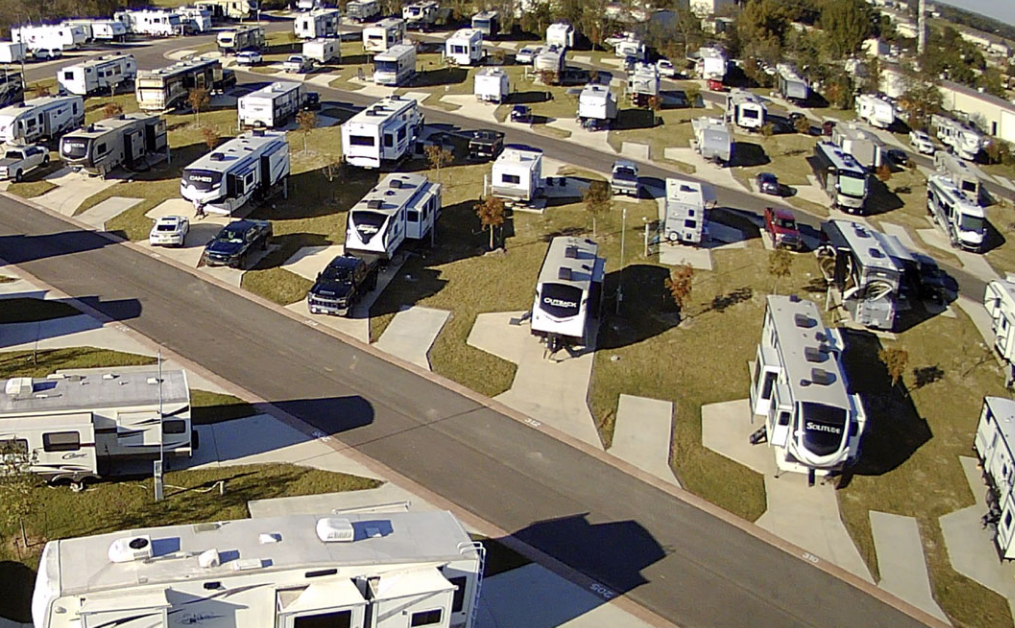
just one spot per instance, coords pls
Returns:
(341, 284)
(233, 244)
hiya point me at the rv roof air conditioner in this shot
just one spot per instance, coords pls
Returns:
(18, 386)
(335, 530)
(821, 376)
(395, 183)
(571, 252)
(814, 354)
(375, 203)
(209, 558)
(802, 320)
(130, 549)
(217, 157)
(564, 273)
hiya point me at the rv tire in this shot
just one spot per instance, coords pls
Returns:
(78, 486)
(672, 236)
(45, 160)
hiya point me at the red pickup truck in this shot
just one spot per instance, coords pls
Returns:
(781, 227)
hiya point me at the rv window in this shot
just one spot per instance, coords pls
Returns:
(361, 140)
(401, 134)
(101, 149)
(337, 619)
(784, 418)
(458, 600)
(691, 224)
(1007, 520)
(389, 140)
(510, 178)
(61, 441)
(427, 618)
(174, 426)
(13, 447)
(413, 216)
(766, 389)
(68, 76)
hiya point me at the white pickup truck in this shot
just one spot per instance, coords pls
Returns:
(297, 64)
(18, 161)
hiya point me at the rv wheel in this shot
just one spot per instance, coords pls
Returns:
(673, 236)
(78, 486)
(45, 160)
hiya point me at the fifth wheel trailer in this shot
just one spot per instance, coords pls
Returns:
(384, 132)
(272, 106)
(569, 291)
(383, 35)
(317, 23)
(249, 165)
(45, 117)
(126, 140)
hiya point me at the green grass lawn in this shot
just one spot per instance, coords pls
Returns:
(673, 128)
(212, 407)
(43, 363)
(27, 310)
(31, 189)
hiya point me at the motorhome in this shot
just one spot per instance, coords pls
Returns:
(362, 10)
(12, 89)
(963, 221)
(50, 36)
(46, 117)
(712, 65)
(152, 22)
(198, 17)
(271, 106)
(240, 38)
(487, 22)
(643, 84)
(862, 269)
(230, 9)
(994, 444)
(560, 34)
(876, 111)
(402, 207)
(167, 88)
(222, 181)
(383, 35)
(322, 50)
(999, 301)
(712, 139)
(961, 174)
(420, 15)
(108, 30)
(384, 132)
(687, 203)
(569, 291)
(962, 138)
(630, 47)
(100, 74)
(518, 173)
(396, 66)
(126, 140)
(745, 109)
(464, 47)
(597, 107)
(12, 52)
(791, 85)
(75, 426)
(866, 148)
(318, 23)
(813, 423)
(378, 569)
(550, 60)
(492, 85)
(842, 178)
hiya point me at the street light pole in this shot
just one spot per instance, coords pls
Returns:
(623, 233)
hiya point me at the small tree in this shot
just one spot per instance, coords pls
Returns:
(768, 129)
(491, 214)
(438, 157)
(802, 125)
(16, 485)
(598, 200)
(895, 361)
(198, 99)
(679, 284)
(308, 122)
(884, 172)
(211, 137)
(779, 264)
(692, 92)
(547, 77)
(111, 110)
(41, 90)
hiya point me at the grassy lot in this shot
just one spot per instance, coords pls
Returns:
(43, 363)
(27, 310)
(672, 128)
(784, 155)
(212, 407)
(1002, 225)
(31, 189)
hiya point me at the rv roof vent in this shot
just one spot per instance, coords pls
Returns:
(375, 203)
(152, 381)
(217, 157)
(820, 337)
(814, 354)
(209, 558)
(278, 87)
(267, 538)
(109, 376)
(571, 252)
(802, 320)
(821, 376)
(860, 231)
(18, 386)
(395, 183)
(793, 298)
(246, 564)
(564, 273)
(876, 253)
(335, 530)
(130, 549)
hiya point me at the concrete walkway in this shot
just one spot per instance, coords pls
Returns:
(973, 263)
(643, 435)
(73, 189)
(636, 150)
(99, 214)
(902, 563)
(412, 332)
(472, 108)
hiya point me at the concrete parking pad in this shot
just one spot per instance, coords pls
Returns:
(973, 262)
(201, 230)
(703, 168)
(583, 59)
(551, 390)
(73, 188)
(636, 150)
(981, 319)
(671, 254)
(901, 561)
(579, 135)
(725, 429)
(470, 107)
(310, 260)
(900, 232)
(412, 332)
(643, 433)
(107, 210)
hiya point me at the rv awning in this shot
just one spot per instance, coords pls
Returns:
(894, 247)
(415, 582)
(318, 596)
(115, 602)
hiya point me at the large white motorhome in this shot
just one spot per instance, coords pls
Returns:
(560, 34)
(50, 36)
(362, 10)
(712, 139)
(73, 426)
(152, 22)
(999, 300)
(402, 207)
(45, 117)
(464, 47)
(492, 85)
(384, 132)
(487, 22)
(420, 15)
(791, 85)
(383, 35)
(396, 66)
(865, 147)
(318, 23)
(230, 9)
(687, 203)
(812, 422)
(322, 50)
(126, 140)
(963, 221)
(994, 444)
(842, 178)
(353, 570)
(597, 107)
(518, 173)
(568, 291)
(745, 109)
(166, 88)
(271, 106)
(100, 74)
(961, 174)
(876, 111)
(863, 269)
(966, 141)
(250, 164)
(241, 38)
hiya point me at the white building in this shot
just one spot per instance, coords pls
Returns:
(386, 131)
(995, 116)
(402, 207)
(464, 47)
(687, 203)
(568, 291)
(322, 50)
(707, 8)
(518, 173)
(994, 443)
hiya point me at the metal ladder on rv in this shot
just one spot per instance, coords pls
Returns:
(481, 550)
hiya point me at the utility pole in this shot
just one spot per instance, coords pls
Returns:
(620, 279)
(161, 460)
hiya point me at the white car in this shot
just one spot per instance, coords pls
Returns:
(921, 142)
(666, 68)
(47, 54)
(169, 231)
(528, 54)
(249, 57)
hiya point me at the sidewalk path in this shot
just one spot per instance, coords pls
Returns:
(901, 561)
(643, 434)
(412, 332)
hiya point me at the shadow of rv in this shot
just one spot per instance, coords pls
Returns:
(16, 599)
(528, 98)
(30, 321)
(646, 312)
(440, 76)
(994, 238)
(881, 199)
(630, 119)
(748, 154)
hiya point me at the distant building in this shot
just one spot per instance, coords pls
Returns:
(995, 116)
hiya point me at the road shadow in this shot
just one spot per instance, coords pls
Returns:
(22, 249)
(647, 309)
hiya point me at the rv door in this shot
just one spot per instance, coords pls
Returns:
(779, 422)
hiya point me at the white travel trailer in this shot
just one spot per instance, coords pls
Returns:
(97, 75)
(712, 64)
(362, 10)
(964, 221)
(487, 22)
(568, 291)
(712, 139)
(812, 422)
(630, 47)
(842, 178)
(108, 30)
(152, 22)
(198, 17)
(961, 174)
(550, 59)
(865, 147)
(560, 34)
(165, 88)
(999, 300)
(50, 36)
(687, 203)
(240, 38)
(222, 181)
(643, 83)
(518, 173)
(877, 112)
(791, 85)
(492, 85)
(384, 132)
(272, 106)
(745, 109)
(464, 47)
(383, 35)
(45, 117)
(396, 66)
(85, 25)
(126, 140)
(358, 570)
(597, 107)
(865, 271)
(318, 23)
(402, 207)
(230, 9)
(322, 50)
(966, 141)
(74, 426)
(420, 15)
(12, 52)
(994, 443)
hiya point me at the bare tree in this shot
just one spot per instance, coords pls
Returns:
(211, 137)
(884, 172)
(895, 361)
(679, 285)
(438, 156)
(308, 122)
(111, 110)
(17, 484)
(598, 200)
(779, 264)
(198, 99)
(491, 214)
(41, 90)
